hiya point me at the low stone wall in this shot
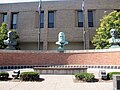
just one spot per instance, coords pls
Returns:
(79, 57)
(59, 70)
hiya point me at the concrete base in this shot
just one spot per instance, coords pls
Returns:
(10, 47)
(116, 82)
(114, 46)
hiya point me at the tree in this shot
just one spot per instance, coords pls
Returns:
(3, 35)
(108, 22)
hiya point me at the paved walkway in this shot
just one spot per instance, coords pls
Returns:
(55, 82)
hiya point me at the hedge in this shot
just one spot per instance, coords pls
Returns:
(4, 75)
(29, 76)
(110, 74)
(88, 77)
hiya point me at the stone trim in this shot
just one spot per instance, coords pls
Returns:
(62, 66)
(66, 51)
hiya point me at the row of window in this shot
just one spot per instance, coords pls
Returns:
(80, 19)
(51, 19)
(13, 20)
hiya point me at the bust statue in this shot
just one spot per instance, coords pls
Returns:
(10, 42)
(61, 41)
(114, 40)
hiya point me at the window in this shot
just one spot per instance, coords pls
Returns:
(4, 17)
(39, 19)
(50, 19)
(80, 18)
(42, 19)
(14, 21)
(90, 18)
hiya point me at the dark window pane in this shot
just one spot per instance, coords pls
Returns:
(80, 24)
(90, 24)
(4, 17)
(51, 25)
(90, 18)
(51, 19)
(80, 18)
(42, 19)
(14, 21)
(14, 18)
(14, 26)
(41, 25)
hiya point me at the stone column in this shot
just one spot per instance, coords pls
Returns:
(86, 28)
(9, 20)
(45, 41)
(0, 19)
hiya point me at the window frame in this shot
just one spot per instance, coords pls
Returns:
(51, 24)
(41, 20)
(3, 17)
(79, 15)
(14, 25)
(90, 18)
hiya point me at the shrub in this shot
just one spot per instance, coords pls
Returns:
(88, 77)
(110, 74)
(29, 76)
(79, 76)
(4, 75)
(3, 35)
(108, 22)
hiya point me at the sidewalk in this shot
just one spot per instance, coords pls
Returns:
(55, 82)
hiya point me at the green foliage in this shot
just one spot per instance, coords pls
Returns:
(111, 74)
(112, 20)
(4, 75)
(29, 76)
(3, 35)
(88, 77)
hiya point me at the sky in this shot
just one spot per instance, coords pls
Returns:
(14, 1)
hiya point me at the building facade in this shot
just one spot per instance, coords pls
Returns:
(56, 16)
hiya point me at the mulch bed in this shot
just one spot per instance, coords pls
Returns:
(94, 81)
(18, 80)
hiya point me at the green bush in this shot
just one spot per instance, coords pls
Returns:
(4, 75)
(79, 76)
(88, 77)
(110, 74)
(29, 76)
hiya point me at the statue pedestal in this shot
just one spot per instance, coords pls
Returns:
(115, 46)
(60, 49)
(10, 48)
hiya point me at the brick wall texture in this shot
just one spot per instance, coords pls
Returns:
(56, 58)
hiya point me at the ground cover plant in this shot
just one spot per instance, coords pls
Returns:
(110, 74)
(29, 76)
(87, 77)
(4, 75)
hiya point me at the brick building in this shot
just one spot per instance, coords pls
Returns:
(56, 16)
